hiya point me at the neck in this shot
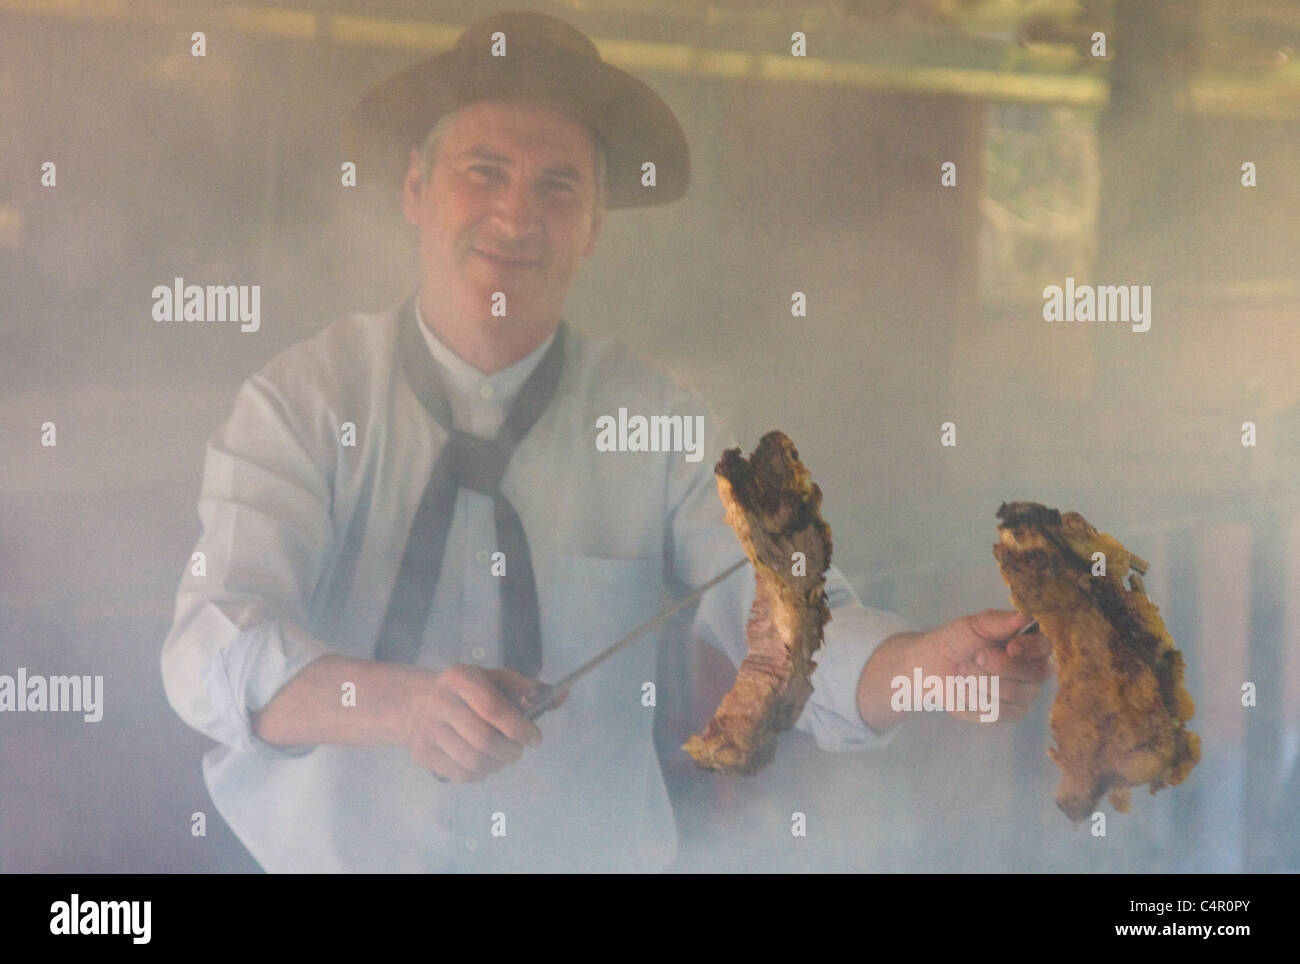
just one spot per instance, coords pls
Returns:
(488, 344)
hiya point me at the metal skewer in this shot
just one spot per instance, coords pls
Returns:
(544, 697)
(1029, 627)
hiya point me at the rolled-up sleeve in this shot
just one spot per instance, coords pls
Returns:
(239, 632)
(702, 545)
(850, 638)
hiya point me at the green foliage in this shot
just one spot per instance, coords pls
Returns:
(1039, 210)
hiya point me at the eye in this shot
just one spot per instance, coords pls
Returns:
(559, 186)
(485, 171)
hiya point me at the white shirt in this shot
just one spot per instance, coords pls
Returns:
(303, 537)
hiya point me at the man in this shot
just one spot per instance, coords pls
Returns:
(373, 614)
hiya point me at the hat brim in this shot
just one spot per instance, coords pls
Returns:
(634, 123)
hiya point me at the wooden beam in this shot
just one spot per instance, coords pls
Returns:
(1276, 94)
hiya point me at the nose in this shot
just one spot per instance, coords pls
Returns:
(515, 212)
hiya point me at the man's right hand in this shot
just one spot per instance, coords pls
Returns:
(464, 723)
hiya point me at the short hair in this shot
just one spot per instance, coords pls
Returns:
(428, 152)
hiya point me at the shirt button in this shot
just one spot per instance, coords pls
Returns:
(486, 390)
(470, 843)
(478, 652)
(481, 555)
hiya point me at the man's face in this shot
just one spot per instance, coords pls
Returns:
(509, 206)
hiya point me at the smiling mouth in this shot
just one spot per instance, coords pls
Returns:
(506, 262)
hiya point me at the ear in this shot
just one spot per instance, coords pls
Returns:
(413, 189)
(596, 223)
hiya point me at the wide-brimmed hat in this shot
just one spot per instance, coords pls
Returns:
(546, 59)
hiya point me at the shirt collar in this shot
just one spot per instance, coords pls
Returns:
(464, 379)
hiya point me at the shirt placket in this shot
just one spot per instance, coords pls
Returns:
(479, 621)
(480, 617)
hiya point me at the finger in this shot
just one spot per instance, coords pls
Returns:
(545, 699)
(1034, 671)
(513, 683)
(1043, 668)
(1011, 692)
(1030, 646)
(498, 709)
(482, 736)
(432, 758)
(454, 745)
(997, 625)
(997, 662)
